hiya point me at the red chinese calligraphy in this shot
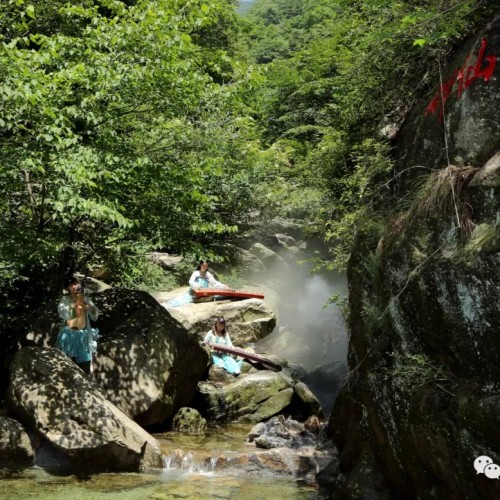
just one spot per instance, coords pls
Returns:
(464, 77)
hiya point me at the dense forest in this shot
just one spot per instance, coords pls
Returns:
(133, 125)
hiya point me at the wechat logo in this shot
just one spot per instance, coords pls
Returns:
(484, 465)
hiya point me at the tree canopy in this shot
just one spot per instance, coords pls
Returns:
(108, 119)
(337, 74)
(130, 125)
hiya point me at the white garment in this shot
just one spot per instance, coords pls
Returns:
(212, 282)
(66, 310)
(218, 339)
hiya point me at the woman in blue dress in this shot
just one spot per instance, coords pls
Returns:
(219, 335)
(201, 278)
(76, 337)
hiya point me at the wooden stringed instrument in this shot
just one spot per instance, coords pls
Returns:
(252, 356)
(226, 292)
(79, 322)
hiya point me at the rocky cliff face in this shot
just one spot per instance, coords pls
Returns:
(422, 400)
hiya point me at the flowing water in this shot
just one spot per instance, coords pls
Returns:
(191, 471)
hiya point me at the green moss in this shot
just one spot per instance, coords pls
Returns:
(485, 238)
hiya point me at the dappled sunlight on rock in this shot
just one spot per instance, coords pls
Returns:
(15, 445)
(147, 364)
(255, 397)
(53, 396)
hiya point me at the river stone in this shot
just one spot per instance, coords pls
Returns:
(53, 396)
(270, 259)
(15, 444)
(280, 432)
(246, 320)
(188, 420)
(165, 260)
(251, 398)
(147, 364)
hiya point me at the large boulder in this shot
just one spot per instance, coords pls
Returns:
(50, 394)
(15, 444)
(247, 320)
(271, 259)
(424, 352)
(255, 397)
(471, 115)
(147, 363)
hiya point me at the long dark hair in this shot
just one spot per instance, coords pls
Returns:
(221, 320)
(201, 263)
(69, 280)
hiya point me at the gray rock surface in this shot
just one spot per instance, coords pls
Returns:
(280, 432)
(256, 396)
(50, 394)
(189, 420)
(250, 398)
(270, 259)
(471, 115)
(15, 444)
(247, 320)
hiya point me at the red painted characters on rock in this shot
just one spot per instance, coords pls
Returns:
(463, 77)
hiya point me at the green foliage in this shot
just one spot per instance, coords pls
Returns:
(127, 125)
(339, 70)
(139, 273)
(359, 200)
(120, 122)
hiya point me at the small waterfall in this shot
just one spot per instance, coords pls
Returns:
(182, 461)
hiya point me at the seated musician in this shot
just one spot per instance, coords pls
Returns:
(203, 278)
(77, 338)
(218, 335)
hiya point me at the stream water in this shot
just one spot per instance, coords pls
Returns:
(191, 471)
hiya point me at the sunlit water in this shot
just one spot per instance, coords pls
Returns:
(190, 472)
(36, 483)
